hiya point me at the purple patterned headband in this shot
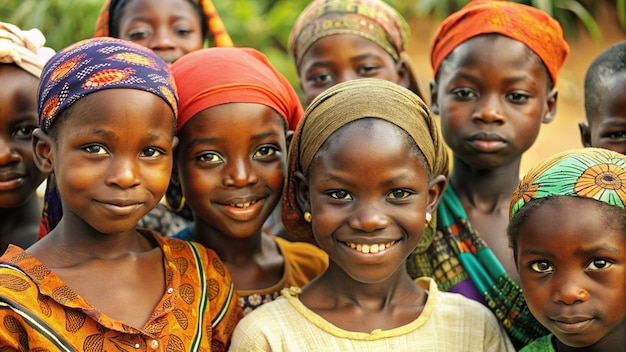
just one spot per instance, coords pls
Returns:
(101, 63)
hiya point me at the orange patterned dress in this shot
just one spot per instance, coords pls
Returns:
(198, 311)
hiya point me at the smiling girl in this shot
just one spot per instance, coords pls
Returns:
(363, 182)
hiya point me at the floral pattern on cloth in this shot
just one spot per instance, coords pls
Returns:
(41, 313)
(594, 173)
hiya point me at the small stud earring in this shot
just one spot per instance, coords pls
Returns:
(429, 217)
(307, 216)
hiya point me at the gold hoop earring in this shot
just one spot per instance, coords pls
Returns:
(429, 217)
(307, 216)
(180, 206)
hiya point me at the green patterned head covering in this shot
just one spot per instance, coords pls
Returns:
(594, 173)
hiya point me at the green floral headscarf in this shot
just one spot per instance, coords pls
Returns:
(594, 173)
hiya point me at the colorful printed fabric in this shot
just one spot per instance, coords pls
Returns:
(41, 313)
(594, 173)
(90, 66)
(460, 261)
(371, 19)
(531, 26)
(303, 263)
(215, 76)
(216, 29)
(23, 48)
(347, 102)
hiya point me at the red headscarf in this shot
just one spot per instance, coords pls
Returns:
(215, 76)
(531, 26)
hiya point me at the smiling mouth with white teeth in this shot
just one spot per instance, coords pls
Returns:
(243, 205)
(370, 248)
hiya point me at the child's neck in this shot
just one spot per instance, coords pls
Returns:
(486, 190)
(20, 226)
(364, 307)
(74, 242)
(254, 262)
(486, 197)
(230, 249)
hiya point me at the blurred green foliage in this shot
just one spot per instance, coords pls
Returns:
(266, 24)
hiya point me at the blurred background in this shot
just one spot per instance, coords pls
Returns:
(590, 26)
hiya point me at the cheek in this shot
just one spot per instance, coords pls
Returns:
(325, 218)
(198, 181)
(274, 176)
(159, 176)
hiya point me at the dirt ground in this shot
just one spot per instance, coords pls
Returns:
(562, 133)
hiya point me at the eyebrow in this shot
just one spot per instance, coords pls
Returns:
(596, 249)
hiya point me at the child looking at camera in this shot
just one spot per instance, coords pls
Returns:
(107, 114)
(361, 182)
(237, 112)
(568, 234)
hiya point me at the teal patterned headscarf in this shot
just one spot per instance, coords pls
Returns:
(594, 173)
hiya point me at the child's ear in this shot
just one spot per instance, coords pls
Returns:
(435, 192)
(434, 105)
(303, 197)
(551, 106)
(585, 134)
(43, 151)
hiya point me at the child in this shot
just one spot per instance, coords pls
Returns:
(496, 66)
(605, 101)
(171, 28)
(568, 234)
(236, 112)
(22, 57)
(338, 40)
(107, 111)
(360, 181)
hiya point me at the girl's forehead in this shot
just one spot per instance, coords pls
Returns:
(497, 53)
(119, 109)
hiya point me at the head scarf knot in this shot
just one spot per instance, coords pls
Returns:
(215, 76)
(87, 67)
(23, 48)
(347, 102)
(594, 173)
(216, 29)
(531, 26)
(371, 19)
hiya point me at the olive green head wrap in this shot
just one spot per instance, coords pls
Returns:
(347, 102)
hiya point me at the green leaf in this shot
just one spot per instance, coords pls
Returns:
(621, 12)
(585, 17)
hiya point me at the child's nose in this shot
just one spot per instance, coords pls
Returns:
(123, 173)
(346, 75)
(239, 173)
(489, 109)
(369, 218)
(162, 39)
(7, 153)
(568, 290)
